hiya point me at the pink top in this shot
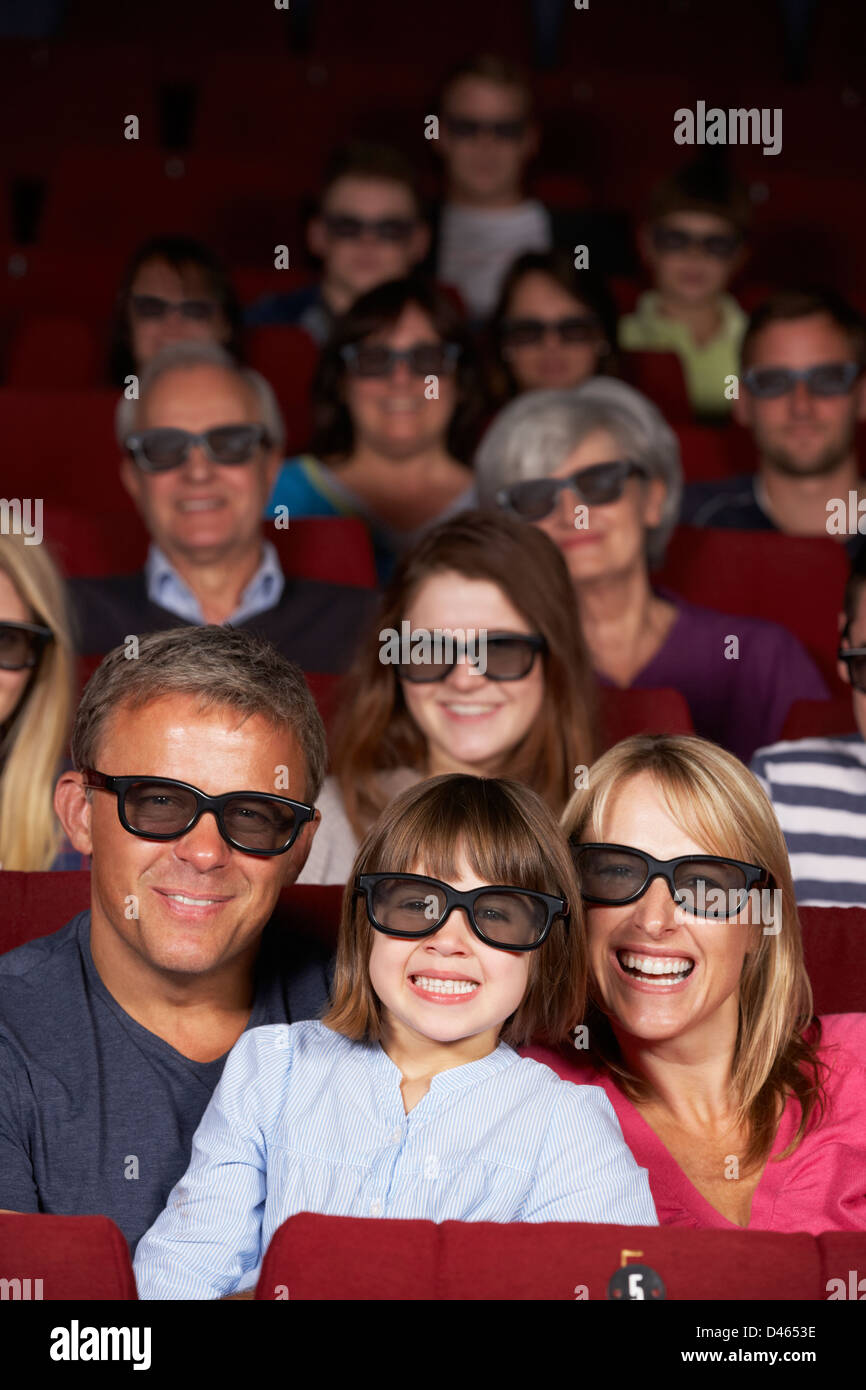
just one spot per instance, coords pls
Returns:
(820, 1187)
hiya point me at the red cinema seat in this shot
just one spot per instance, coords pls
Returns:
(627, 712)
(659, 375)
(333, 548)
(797, 581)
(53, 350)
(706, 453)
(64, 1257)
(95, 543)
(60, 445)
(820, 719)
(287, 357)
(834, 943)
(315, 1257)
(37, 904)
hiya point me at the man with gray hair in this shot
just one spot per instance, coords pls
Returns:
(201, 449)
(196, 766)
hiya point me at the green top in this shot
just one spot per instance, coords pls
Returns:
(706, 365)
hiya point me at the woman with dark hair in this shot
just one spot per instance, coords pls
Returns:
(553, 326)
(395, 399)
(512, 696)
(174, 290)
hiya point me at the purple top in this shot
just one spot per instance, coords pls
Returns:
(740, 702)
(820, 1187)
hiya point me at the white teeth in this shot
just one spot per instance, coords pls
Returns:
(205, 505)
(193, 902)
(468, 709)
(655, 965)
(445, 986)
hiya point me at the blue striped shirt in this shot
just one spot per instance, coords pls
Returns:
(304, 1119)
(818, 790)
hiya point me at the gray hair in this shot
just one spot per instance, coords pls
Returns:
(535, 433)
(221, 666)
(179, 357)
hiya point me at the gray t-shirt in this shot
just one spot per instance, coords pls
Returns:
(97, 1114)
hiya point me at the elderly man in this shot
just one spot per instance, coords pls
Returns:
(196, 768)
(202, 446)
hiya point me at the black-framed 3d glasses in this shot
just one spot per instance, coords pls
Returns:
(721, 246)
(824, 379)
(158, 450)
(345, 227)
(379, 360)
(22, 645)
(509, 656)
(536, 498)
(413, 905)
(161, 808)
(531, 332)
(855, 659)
(464, 128)
(708, 885)
(154, 307)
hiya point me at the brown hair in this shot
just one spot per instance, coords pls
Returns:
(724, 807)
(362, 159)
(508, 836)
(788, 305)
(490, 67)
(374, 731)
(705, 185)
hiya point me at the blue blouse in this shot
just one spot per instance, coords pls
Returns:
(304, 1119)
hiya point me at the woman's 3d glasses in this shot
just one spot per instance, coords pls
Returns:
(22, 644)
(706, 885)
(597, 485)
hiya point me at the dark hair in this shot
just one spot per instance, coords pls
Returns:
(584, 285)
(788, 305)
(705, 185)
(379, 309)
(490, 67)
(854, 586)
(180, 253)
(374, 729)
(363, 159)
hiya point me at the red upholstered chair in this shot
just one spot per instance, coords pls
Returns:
(332, 1257)
(95, 543)
(834, 944)
(54, 350)
(659, 375)
(64, 442)
(333, 548)
(37, 904)
(706, 453)
(286, 356)
(60, 1257)
(627, 712)
(820, 719)
(794, 580)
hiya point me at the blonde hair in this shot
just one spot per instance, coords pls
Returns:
(508, 836)
(35, 737)
(722, 805)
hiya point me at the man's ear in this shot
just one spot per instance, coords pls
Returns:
(74, 810)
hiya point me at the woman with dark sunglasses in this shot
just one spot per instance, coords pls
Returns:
(509, 693)
(36, 701)
(553, 327)
(458, 942)
(395, 398)
(745, 1108)
(598, 470)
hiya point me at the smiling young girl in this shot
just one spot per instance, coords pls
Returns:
(460, 940)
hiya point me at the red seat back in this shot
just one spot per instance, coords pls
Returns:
(287, 356)
(54, 348)
(820, 719)
(659, 375)
(337, 1257)
(65, 1257)
(797, 581)
(834, 944)
(60, 445)
(627, 712)
(333, 548)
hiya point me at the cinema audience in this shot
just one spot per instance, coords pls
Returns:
(174, 290)
(599, 471)
(36, 695)
(201, 449)
(306, 1118)
(744, 1108)
(818, 785)
(396, 401)
(693, 242)
(802, 397)
(530, 714)
(369, 226)
(553, 326)
(129, 1010)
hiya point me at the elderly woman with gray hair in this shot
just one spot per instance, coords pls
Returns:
(599, 470)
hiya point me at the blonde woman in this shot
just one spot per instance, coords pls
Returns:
(36, 697)
(746, 1110)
